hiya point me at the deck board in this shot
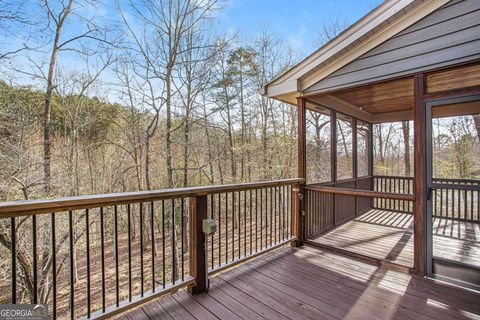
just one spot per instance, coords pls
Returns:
(388, 235)
(310, 283)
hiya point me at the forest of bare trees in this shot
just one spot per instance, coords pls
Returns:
(149, 100)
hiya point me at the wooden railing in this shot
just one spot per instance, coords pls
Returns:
(329, 204)
(323, 203)
(393, 184)
(96, 256)
(457, 199)
(452, 198)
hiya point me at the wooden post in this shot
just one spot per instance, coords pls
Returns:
(420, 182)
(198, 267)
(296, 212)
(355, 158)
(370, 143)
(333, 145)
(298, 191)
(333, 158)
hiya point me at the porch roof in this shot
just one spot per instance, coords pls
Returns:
(383, 22)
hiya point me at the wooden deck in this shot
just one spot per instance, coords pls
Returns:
(388, 236)
(310, 283)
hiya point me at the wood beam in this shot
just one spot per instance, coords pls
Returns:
(420, 175)
(340, 105)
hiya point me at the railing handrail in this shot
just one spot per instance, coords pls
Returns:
(362, 193)
(448, 180)
(29, 207)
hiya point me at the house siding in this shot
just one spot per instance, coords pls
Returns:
(448, 36)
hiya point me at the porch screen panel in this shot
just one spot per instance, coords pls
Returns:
(393, 148)
(318, 146)
(344, 147)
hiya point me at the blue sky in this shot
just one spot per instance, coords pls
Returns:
(298, 21)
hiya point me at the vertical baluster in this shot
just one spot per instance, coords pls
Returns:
(211, 237)
(115, 227)
(261, 219)
(245, 223)
(87, 242)
(239, 224)
(453, 203)
(54, 268)
(163, 244)
(129, 240)
(446, 203)
(182, 209)
(219, 229)
(459, 207)
(251, 222)
(102, 239)
(72, 289)
(478, 205)
(174, 253)
(35, 259)
(233, 226)
(152, 229)
(141, 249)
(465, 206)
(256, 220)
(275, 214)
(280, 214)
(13, 235)
(440, 212)
(226, 227)
(471, 205)
(271, 217)
(285, 211)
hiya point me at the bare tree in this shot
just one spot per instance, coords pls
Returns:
(58, 12)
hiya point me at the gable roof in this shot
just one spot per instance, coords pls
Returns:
(383, 22)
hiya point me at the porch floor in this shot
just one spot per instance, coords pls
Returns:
(388, 236)
(310, 283)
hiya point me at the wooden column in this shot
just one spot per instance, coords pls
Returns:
(420, 179)
(297, 191)
(370, 143)
(354, 149)
(198, 267)
(333, 145)
(355, 158)
(333, 157)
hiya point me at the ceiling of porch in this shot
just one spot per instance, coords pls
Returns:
(393, 100)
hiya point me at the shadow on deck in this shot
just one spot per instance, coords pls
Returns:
(310, 283)
(387, 236)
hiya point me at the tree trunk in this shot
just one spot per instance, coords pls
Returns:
(48, 101)
(168, 105)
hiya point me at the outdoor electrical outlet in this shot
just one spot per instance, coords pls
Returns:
(209, 226)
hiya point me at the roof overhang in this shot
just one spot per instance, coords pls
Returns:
(388, 19)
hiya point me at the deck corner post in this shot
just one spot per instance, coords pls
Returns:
(198, 267)
(298, 194)
(420, 180)
(297, 215)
